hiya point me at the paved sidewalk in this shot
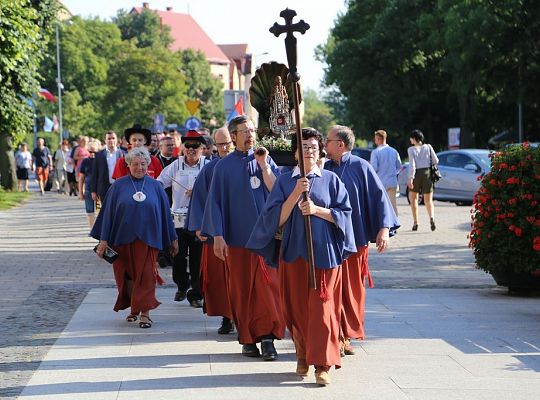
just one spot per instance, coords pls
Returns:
(438, 328)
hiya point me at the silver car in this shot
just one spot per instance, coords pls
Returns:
(460, 170)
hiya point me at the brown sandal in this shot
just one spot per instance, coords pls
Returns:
(131, 318)
(145, 325)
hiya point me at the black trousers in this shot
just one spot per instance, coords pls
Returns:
(189, 247)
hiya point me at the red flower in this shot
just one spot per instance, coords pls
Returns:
(518, 231)
(536, 243)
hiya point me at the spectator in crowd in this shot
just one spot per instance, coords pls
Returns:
(42, 160)
(60, 165)
(104, 166)
(386, 162)
(153, 147)
(86, 170)
(23, 161)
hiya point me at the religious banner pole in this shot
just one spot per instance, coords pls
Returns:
(290, 46)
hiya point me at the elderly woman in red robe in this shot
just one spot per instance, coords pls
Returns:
(135, 221)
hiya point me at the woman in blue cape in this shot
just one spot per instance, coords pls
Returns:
(135, 221)
(312, 316)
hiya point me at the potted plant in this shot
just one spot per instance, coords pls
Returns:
(505, 234)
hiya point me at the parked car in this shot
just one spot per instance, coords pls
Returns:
(364, 153)
(460, 170)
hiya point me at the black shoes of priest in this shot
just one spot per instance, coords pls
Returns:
(226, 326)
(250, 350)
(180, 295)
(269, 352)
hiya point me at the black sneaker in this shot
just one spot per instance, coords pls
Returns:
(180, 295)
(226, 326)
(250, 350)
(269, 352)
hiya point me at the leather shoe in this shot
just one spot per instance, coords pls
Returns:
(322, 378)
(269, 352)
(180, 295)
(250, 350)
(196, 303)
(226, 326)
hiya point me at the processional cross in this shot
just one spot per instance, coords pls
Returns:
(290, 46)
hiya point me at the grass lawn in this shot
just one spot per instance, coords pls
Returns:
(12, 199)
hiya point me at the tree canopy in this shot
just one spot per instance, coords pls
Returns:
(436, 64)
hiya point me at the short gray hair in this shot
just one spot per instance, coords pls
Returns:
(138, 152)
(345, 134)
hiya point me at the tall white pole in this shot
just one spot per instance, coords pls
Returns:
(59, 82)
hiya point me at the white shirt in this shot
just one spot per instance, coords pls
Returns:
(111, 162)
(181, 177)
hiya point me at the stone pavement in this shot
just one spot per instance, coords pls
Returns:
(437, 327)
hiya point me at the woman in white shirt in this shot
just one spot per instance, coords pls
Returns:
(421, 156)
(23, 160)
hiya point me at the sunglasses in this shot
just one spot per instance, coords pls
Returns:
(192, 145)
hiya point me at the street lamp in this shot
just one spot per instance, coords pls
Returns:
(60, 86)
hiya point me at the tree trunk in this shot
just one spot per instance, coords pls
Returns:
(466, 139)
(8, 177)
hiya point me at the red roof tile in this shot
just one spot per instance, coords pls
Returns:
(187, 34)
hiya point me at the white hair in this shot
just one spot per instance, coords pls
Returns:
(138, 152)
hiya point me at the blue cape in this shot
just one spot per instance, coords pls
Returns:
(371, 207)
(332, 243)
(233, 206)
(199, 196)
(122, 220)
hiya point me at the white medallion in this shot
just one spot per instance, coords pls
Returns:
(139, 196)
(255, 182)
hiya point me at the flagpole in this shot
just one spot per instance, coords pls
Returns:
(59, 82)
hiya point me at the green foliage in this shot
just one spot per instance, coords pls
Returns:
(436, 64)
(24, 27)
(203, 86)
(505, 231)
(143, 29)
(142, 82)
(10, 199)
(317, 114)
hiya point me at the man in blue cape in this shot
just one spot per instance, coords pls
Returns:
(239, 188)
(374, 220)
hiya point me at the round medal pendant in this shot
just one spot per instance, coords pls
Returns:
(255, 182)
(139, 196)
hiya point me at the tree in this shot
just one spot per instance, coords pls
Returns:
(143, 28)
(87, 48)
(203, 86)
(24, 28)
(142, 82)
(317, 114)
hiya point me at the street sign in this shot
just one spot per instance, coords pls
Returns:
(193, 106)
(193, 123)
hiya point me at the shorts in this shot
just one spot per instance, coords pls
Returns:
(88, 202)
(42, 174)
(422, 182)
(22, 174)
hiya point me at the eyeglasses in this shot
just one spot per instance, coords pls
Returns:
(214, 151)
(192, 145)
(223, 144)
(312, 148)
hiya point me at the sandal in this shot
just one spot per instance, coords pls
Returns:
(415, 227)
(131, 318)
(147, 324)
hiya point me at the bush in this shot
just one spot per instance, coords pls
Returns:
(505, 231)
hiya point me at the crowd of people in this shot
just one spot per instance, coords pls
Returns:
(231, 223)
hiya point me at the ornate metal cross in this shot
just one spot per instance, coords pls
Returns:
(290, 40)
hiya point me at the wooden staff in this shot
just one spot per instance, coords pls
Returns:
(290, 46)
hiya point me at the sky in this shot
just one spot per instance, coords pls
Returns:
(243, 21)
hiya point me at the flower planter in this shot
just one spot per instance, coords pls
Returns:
(282, 157)
(517, 282)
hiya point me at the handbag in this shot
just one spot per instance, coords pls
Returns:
(434, 173)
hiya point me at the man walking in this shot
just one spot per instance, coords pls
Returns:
(104, 166)
(43, 163)
(240, 186)
(373, 221)
(386, 163)
(181, 175)
(213, 276)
